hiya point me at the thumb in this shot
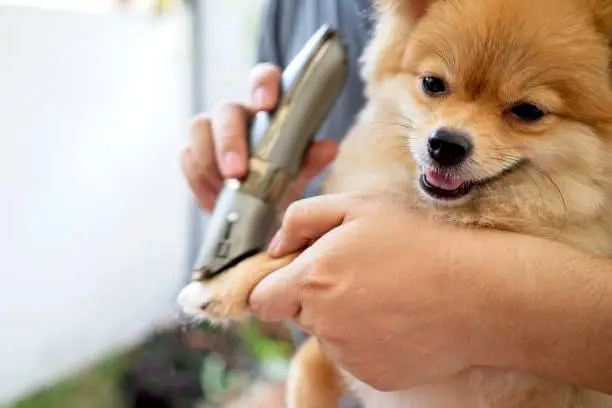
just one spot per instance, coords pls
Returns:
(277, 296)
(265, 87)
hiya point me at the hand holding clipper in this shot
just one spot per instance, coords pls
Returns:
(245, 212)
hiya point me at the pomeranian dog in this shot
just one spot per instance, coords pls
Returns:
(503, 113)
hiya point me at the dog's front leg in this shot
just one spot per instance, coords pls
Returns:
(313, 380)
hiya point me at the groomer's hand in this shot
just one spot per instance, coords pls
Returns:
(217, 149)
(382, 288)
(400, 301)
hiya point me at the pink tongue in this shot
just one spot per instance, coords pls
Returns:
(441, 181)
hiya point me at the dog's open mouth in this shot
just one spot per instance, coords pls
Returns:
(444, 186)
(447, 186)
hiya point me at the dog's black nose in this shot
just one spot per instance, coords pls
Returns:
(448, 147)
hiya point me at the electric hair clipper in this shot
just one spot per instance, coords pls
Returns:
(245, 212)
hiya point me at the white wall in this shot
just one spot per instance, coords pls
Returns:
(230, 39)
(93, 208)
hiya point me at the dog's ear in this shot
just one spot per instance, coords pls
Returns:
(602, 11)
(395, 21)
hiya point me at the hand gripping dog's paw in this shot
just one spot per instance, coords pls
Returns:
(225, 297)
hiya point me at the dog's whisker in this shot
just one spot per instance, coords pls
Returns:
(406, 126)
(536, 176)
(538, 170)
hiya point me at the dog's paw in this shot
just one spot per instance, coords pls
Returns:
(225, 298)
(213, 302)
(194, 299)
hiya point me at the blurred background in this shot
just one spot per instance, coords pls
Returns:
(97, 226)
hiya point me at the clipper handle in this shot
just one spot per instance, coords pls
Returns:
(309, 86)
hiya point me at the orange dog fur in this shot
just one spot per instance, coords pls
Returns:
(549, 177)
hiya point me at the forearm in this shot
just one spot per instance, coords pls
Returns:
(554, 317)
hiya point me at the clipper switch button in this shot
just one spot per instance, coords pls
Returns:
(223, 249)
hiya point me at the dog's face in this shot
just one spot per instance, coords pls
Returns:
(494, 88)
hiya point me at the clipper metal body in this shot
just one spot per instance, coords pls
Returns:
(245, 212)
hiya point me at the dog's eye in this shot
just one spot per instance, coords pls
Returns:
(433, 85)
(527, 112)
